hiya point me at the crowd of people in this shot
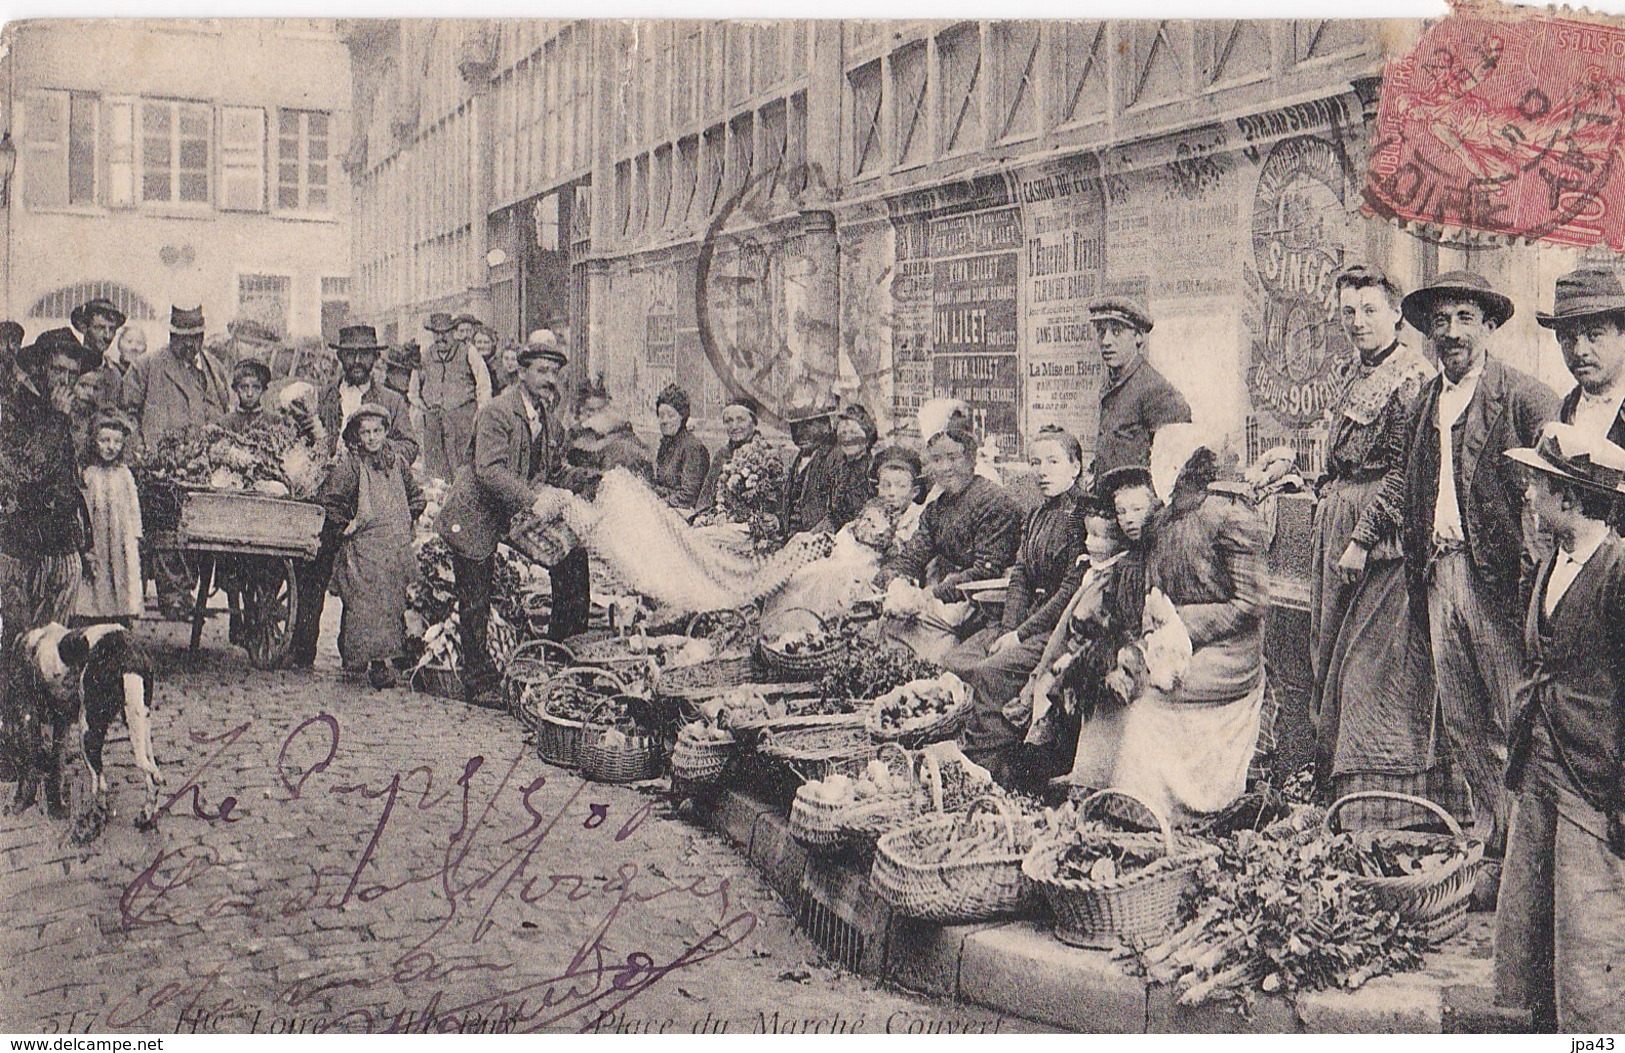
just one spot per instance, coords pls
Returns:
(1468, 604)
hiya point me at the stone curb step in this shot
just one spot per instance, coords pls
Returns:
(1018, 969)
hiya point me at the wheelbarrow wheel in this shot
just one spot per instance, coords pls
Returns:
(270, 607)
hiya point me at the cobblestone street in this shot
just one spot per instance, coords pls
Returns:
(338, 858)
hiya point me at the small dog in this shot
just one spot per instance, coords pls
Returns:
(91, 675)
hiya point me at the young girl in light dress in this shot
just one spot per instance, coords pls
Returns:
(110, 586)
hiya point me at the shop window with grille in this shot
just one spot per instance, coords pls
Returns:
(959, 61)
(175, 161)
(1323, 38)
(713, 170)
(741, 155)
(59, 303)
(335, 307)
(266, 299)
(1153, 64)
(302, 160)
(660, 189)
(1235, 50)
(1082, 91)
(867, 101)
(910, 71)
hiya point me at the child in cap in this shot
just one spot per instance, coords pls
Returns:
(372, 500)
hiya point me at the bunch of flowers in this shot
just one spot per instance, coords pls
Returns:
(750, 490)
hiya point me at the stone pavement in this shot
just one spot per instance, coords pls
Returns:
(338, 858)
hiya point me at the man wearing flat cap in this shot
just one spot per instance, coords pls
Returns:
(518, 448)
(358, 350)
(98, 322)
(448, 389)
(1135, 400)
(1459, 508)
(1560, 924)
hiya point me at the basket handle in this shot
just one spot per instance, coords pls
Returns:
(595, 673)
(735, 615)
(823, 623)
(907, 758)
(998, 806)
(1162, 823)
(543, 646)
(1330, 823)
(932, 778)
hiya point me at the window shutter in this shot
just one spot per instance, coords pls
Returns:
(242, 159)
(119, 118)
(45, 150)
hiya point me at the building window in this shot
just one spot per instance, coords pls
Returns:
(302, 160)
(335, 307)
(59, 303)
(866, 113)
(1017, 47)
(1083, 91)
(59, 149)
(266, 299)
(959, 59)
(174, 152)
(910, 73)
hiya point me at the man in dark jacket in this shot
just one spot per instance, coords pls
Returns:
(1560, 925)
(810, 482)
(518, 447)
(1135, 399)
(44, 529)
(1588, 316)
(1461, 519)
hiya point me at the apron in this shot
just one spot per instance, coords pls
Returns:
(374, 569)
(1187, 759)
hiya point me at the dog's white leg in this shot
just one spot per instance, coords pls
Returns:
(137, 716)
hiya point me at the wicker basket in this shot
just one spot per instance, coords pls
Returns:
(558, 739)
(732, 630)
(1141, 905)
(1435, 902)
(705, 679)
(697, 761)
(863, 823)
(615, 653)
(618, 751)
(809, 666)
(817, 747)
(923, 731)
(438, 681)
(533, 664)
(913, 870)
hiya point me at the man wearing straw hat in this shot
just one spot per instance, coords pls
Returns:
(1560, 926)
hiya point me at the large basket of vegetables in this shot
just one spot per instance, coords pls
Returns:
(816, 747)
(532, 665)
(818, 814)
(615, 746)
(903, 788)
(562, 704)
(806, 652)
(1106, 886)
(957, 868)
(921, 712)
(1427, 878)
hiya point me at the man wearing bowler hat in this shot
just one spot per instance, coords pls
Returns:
(1588, 319)
(179, 390)
(450, 386)
(358, 350)
(517, 449)
(1135, 400)
(1560, 925)
(1459, 508)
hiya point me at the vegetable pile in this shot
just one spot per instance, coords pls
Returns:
(1274, 914)
(797, 642)
(271, 458)
(869, 672)
(1095, 858)
(919, 702)
(1388, 857)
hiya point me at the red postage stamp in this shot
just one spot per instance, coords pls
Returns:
(1505, 122)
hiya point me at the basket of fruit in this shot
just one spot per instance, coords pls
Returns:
(1106, 886)
(636, 655)
(701, 753)
(921, 711)
(532, 664)
(712, 662)
(1427, 878)
(562, 704)
(957, 868)
(615, 746)
(804, 653)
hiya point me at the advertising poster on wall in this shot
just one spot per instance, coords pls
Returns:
(974, 263)
(1064, 228)
(911, 318)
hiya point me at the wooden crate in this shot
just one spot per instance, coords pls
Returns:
(251, 522)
